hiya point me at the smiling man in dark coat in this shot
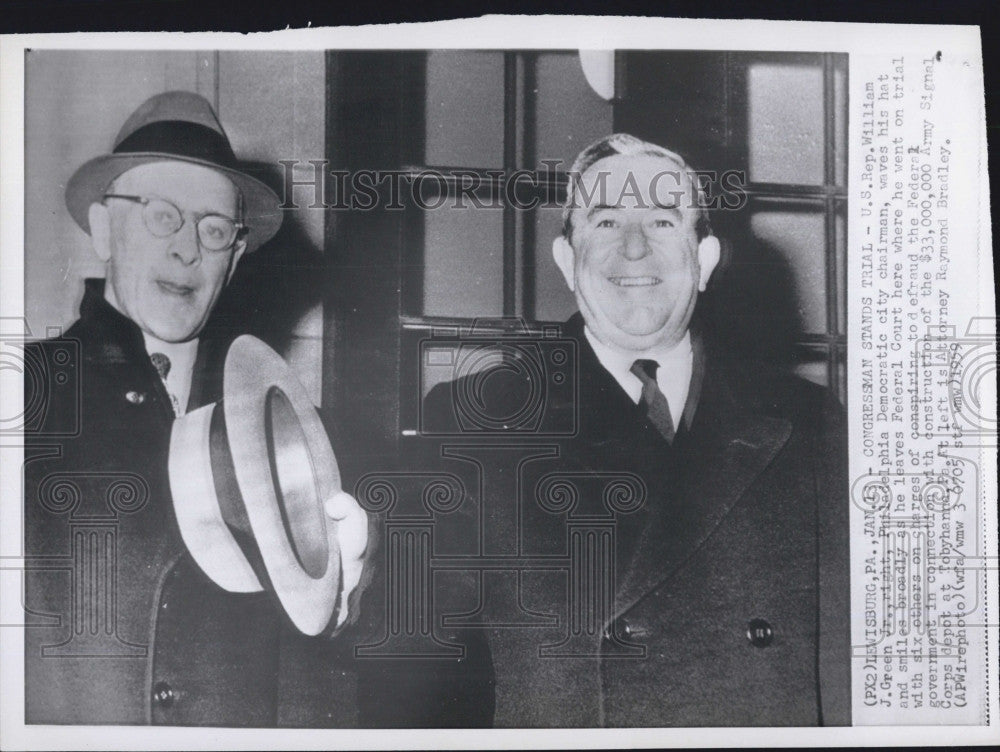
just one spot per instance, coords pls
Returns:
(123, 625)
(725, 598)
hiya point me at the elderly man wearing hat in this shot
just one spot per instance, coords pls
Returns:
(124, 626)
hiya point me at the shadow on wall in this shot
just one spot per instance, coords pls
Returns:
(750, 305)
(274, 286)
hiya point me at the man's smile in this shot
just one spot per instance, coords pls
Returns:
(644, 281)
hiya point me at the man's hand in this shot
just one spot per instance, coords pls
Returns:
(352, 535)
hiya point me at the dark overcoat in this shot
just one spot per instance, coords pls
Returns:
(123, 627)
(725, 594)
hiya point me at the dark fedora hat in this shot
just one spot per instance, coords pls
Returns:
(175, 126)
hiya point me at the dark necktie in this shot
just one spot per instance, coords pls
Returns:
(652, 401)
(162, 365)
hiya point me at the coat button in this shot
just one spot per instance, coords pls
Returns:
(760, 633)
(628, 628)
(163, 694)
(136, 398)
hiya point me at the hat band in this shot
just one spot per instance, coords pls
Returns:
(227, 492)
(181, 138)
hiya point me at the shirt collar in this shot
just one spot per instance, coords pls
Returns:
(673, 376)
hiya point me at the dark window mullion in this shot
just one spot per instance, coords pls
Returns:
(819, 339)
(529, 153)
(794, 191)
(727, 67)
(510, 110)
(549, 185)
(830, 210)
(412, 269)
(455, 324)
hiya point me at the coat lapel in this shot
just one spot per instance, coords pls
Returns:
(113, 348)
(114, 345)
(725, 445)
(726, 448)
(611, 428)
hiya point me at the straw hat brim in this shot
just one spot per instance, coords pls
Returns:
(273, 479)
(262, 212)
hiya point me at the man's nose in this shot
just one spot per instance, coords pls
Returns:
(635, 246)
(184, 244)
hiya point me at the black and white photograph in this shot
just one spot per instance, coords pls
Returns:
(497, 387)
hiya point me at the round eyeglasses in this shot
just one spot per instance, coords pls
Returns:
(216, 232)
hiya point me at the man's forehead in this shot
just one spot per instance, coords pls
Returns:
(636, 180)
(618, 167)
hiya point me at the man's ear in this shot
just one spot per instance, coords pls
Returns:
(100, 230)
(708, 256)
(562, 252)
(241, 247)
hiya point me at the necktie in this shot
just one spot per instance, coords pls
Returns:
(162, 365)
(652, 401)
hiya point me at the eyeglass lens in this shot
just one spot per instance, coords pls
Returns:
(215, 232)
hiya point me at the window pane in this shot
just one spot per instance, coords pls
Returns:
(553, 300)
(463, 262)
(797, 236)
(568, 113)
(785, 121)
(840, 118)
(465, 108)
